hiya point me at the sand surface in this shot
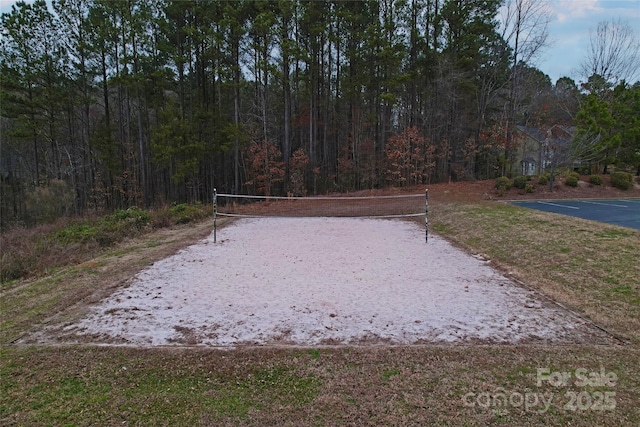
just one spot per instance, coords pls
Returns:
(318, 281)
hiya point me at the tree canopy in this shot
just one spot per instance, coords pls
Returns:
(139, 102)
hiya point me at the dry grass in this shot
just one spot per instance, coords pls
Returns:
(590, 267)
(40, 250)
(67, 291)
(412, 386)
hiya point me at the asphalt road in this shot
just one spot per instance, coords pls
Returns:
(622, 212)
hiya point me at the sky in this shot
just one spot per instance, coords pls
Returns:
(569, 30)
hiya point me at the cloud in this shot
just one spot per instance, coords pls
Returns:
(575, 8)
(589, 10)
(571, 26)
(571, 12)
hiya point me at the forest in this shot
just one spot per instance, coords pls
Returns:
(108, 104)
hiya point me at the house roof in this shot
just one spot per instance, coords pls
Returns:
(556, 133)
(535, 133)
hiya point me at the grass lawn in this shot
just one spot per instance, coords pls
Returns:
(590, 268)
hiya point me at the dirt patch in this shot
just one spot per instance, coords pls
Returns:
(321, 281)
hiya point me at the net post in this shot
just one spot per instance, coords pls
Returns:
(215, 214)
(426, 215)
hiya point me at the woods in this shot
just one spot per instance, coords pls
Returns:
(112, 104)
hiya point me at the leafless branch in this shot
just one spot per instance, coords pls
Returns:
(614, 53)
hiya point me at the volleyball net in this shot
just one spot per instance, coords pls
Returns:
(342, 206)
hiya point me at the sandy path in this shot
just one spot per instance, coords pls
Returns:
(311, 281)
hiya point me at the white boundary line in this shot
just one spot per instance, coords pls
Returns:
(556, 204)
(605, 204)
(633, 200)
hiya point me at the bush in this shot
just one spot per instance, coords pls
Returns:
(133, 216)
(503, 183)
(178, 209)
(76, 233)
(180, 213)
(583, 170)
(571, 181)
(622, 180)
(123, 223)
(520, 182)
(184, 213)
(543, 179)
(595, 180)
(529, 188)
(575, 174)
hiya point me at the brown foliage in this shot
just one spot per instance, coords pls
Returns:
(298, 164)
(264, 166)
(410, 158)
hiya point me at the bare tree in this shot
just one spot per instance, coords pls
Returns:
(558, 152)
(614, 53)
(525, 27)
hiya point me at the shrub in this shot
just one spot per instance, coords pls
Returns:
(543, 179)
(622, 180)
(178, 209)
(123, 223)
(132, 219)
(583, 170)
(75, 233)
(571, 181)
(575, 174)
(503, 183)
(595, 180)
(520, 182)
(180, 213)
(184, 213)
(529, 188)
(133, 215)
